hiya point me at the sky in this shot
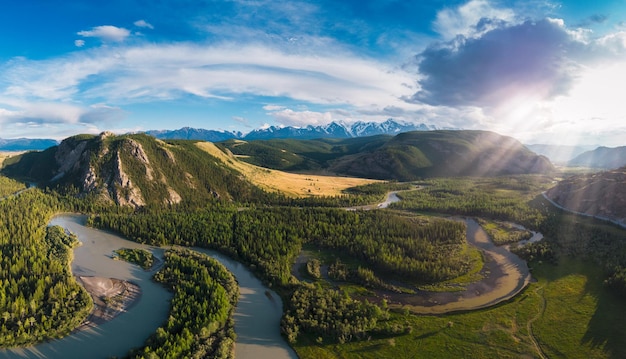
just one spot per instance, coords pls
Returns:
(541, 71)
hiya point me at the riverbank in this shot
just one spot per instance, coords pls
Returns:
(111, 297)
(504, 276)
(112, 333)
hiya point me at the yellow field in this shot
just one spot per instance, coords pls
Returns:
(5, 155)
(291, 184)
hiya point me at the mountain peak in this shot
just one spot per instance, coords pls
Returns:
(335, 129)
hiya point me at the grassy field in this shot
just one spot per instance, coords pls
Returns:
(5, 155)
(582, 319)
(291, 184)
(567, 313)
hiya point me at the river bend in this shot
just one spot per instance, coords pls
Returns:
(257, 316)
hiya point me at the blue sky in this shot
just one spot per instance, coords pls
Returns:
(541, 71)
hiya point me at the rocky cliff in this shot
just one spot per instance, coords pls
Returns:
(132, 170)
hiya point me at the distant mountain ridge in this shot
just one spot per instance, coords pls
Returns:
(601, 157)
(331, 130)
(26, 144)
(559, 154)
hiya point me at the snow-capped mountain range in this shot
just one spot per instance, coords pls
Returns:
(331, 130)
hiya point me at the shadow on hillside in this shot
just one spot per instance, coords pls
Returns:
(606, 329)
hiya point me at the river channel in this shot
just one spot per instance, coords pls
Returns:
(257, 315)
(504, 274)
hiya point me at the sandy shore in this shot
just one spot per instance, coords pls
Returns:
(111, 297)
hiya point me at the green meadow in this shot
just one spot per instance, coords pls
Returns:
(567, 313)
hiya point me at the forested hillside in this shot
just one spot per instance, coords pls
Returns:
(405, 157)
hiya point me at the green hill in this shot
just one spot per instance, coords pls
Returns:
(134, 170)
(407, 156)
(601, 194)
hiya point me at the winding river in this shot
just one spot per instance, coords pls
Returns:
(504, 275)
(257, 315)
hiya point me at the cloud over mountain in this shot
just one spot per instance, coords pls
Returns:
(530, 59)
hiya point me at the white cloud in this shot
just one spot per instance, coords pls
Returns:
(143, 24)
(273, 107)
(241, 120)
(154, 72)
(288, 117)
(106, 33)
(55, 120)
(466, 19)
(79, 43)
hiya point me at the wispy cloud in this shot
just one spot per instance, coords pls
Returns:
(126, 75)
(152, 72)
(289, 117)
(143, 24)
(106, 33)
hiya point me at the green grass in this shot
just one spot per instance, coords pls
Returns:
(503, 233)
(581, 319)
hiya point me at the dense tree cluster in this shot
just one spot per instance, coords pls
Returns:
(39, 298)
(329, 314)
(504, 232)
(588, 238)
(200, 324)
(9, 186)
(270, 239)
(340, 271)
(138, 256)
(501, 198)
